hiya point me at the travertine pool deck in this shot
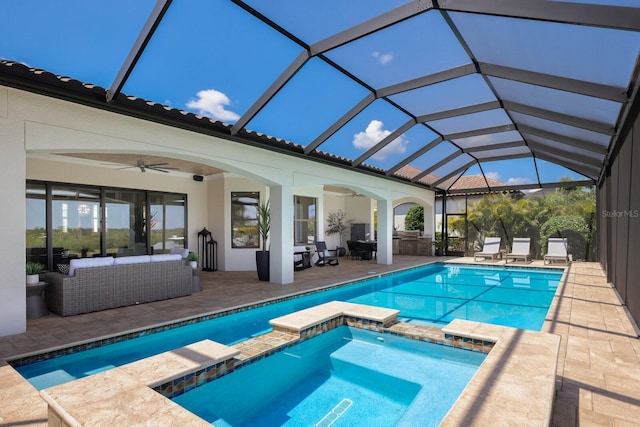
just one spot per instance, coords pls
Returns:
(598, 369)
(518, 375)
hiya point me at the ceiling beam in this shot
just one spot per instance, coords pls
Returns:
(618, 17)
(580, 87)
(439, 77)
(531, 186)
(451, 157)
(505, 157)
(566, 119)
(150, 26)
(387, 140)
(494, 146)
(582, 169)
(377, 23)
(578, 143)
(477, 132)
(364, 103)
(478, 108)
(414, 156)
(581, 158)
(271, 91)
(450, 174)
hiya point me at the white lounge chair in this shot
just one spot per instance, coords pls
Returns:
(520, 250)
(557, 250)
(491, 249)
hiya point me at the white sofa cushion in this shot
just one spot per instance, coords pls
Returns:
(165, 257)
(183, 252)
(89, 262)
(138, 259)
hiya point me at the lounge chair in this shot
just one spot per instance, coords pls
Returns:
(324, 255)
(491, 249)
(520, 250)
(557, 250)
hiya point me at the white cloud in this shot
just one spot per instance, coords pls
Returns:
(519, 181)
(212, 103)
(375, 133)
(493, 175)
(383, 58)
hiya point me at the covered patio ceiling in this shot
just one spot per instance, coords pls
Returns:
(524, 93)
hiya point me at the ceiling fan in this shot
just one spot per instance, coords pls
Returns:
(352, 194)
(140, 164)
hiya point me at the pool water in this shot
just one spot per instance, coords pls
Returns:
(345, 377)
(514, 297)
(430, 295)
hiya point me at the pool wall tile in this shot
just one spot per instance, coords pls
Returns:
(281, 338)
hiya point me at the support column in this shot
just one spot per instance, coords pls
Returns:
(385, 232)
(281, 237)
(13, 318)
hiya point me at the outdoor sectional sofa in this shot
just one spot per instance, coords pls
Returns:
(95, 284)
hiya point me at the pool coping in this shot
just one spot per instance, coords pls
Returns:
(52, 352)
(514, 385)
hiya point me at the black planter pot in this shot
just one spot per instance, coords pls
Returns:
(341, 251)
(262, 265)
(439, 252)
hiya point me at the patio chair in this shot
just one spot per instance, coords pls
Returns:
(557, 250)
(520, 250)
(324, 255)
(354, 250)
(490, 249)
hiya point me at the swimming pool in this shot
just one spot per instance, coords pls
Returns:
(344, 377)
(432, 295)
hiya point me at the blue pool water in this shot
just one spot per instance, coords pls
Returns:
(430, 295)
(345, 377)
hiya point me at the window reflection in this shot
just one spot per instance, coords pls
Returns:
(244, 220)
(75, 221)
(304, 222)
(167, 221)
(125, 218)
(135, 222)
(36, 218)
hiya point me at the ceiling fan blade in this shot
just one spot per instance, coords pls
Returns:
(153, 165)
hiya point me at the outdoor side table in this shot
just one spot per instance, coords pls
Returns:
(195, 281)
(303, 263)
(36, 306)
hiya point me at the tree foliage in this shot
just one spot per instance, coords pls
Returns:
(414, 220)
(338, 223)
(567, 212)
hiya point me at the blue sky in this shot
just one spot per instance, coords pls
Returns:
(211, 58)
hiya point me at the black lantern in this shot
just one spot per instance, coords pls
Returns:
(207, 250)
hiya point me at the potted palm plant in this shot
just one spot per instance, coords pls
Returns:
(33, 270)
(264, 226)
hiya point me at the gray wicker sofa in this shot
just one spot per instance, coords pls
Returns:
(103, 287)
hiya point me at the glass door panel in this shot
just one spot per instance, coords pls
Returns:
(125, 228)
(76, 221)
(36, 230)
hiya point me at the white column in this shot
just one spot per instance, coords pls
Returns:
(385, 232)
(281, 237)
(13, 319)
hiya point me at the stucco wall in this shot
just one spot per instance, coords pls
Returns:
(34, 125)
